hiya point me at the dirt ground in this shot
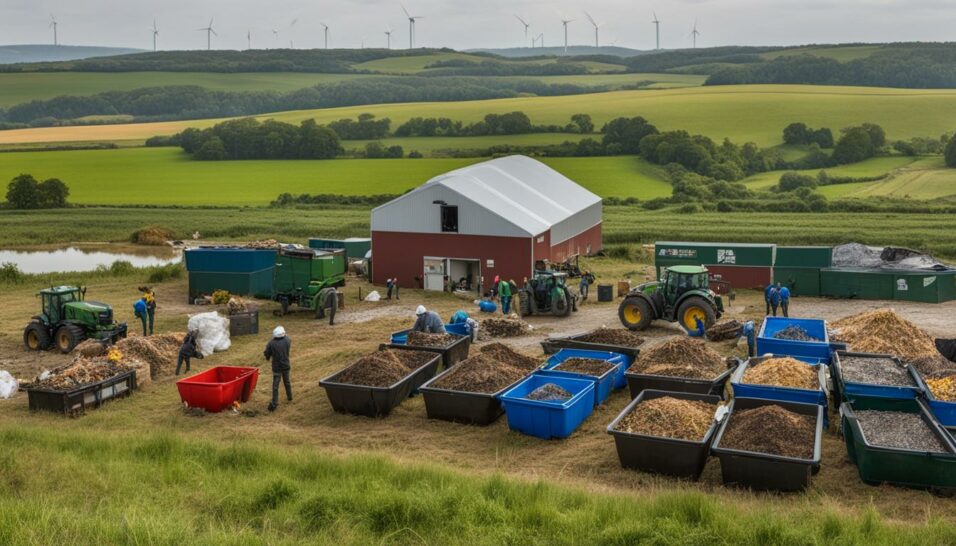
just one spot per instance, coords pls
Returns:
(587, 459)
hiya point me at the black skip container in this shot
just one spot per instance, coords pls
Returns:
(473, 408)
(76, 401)
(555, 344)
(671, 456)
(376, 401)
(450, 355)
(764, 471)
(637, 382)
(244, 324)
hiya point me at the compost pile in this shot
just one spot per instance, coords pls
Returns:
(262, 244)
(943, 388)
(724, 330)
(159, 352)
(773, 430)
(82, 371)
(432, 341)
(668, 417)
(235, 305)
(782, 372)
(586, 366)
(612, 336)
(90, 348)
(899, 430)
(935, 366)
(874, 371)
(507, 355)
(383, 368)
(549, 392)
(883, 331)
(795, 333)
(681, 357)
(503, 327)
(481, 373)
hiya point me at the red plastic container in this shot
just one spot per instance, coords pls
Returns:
(217, 388)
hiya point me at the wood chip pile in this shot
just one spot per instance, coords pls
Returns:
(612, 336)
(883, 331)
(158, 352)
(503, 327)
(668, 417)
(783, 372)
(724, 330)
(681, 357)
(81, 372)
(432, 341)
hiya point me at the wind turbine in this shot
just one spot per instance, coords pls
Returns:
(657, 29)
(275, 34)
(292, 24)
(155, 32)
(695, 33)
(326, 27)
(540, 39)
(53, 24)
(565, 21)
(209, 32)
(527, 25)
(596, 27)
(388, 37)
(411, 26)
(249, 39)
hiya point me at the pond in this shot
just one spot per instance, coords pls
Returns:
(87, 257)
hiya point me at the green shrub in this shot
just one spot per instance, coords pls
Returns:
(10, 273)
(162, 273)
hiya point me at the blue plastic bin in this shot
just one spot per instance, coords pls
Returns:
(548, 420)
(817, 328)
(853, 392)
(785, 394)
(945, 412)
(602, 385)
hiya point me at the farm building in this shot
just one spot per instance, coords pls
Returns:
(493, 218)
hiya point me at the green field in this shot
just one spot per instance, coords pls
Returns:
(842, 54)
(755, 113)
(877, 166)
(166, 176)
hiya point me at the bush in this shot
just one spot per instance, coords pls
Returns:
(790, 181)
(690, 208)
(854, 146)
(24, 192)
(415, 154)
(10, 273)
(162, 273)
(950, 153)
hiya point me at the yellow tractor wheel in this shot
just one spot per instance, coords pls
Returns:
(695, 309)
(36, 337)
(635, 313)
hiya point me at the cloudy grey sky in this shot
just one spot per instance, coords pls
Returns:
(475, 23)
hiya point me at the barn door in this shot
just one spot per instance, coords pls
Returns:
(434, 274)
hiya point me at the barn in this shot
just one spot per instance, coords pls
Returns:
(494, 218)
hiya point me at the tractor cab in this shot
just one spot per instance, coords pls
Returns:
(53, 301)
(682, 295)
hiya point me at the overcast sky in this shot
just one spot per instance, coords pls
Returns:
(463, 24)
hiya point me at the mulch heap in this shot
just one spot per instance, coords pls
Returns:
(159, 352)
(883, 331)
(668, 417)
(432, 341)
(384, 368)
(771, 429)
(586, 366)
(612, 336)
(681, 357)
(482, 373)
(549, 392)
(507, 355)
(783, 372)
(502, 327)
(84, 371)
(724, 330)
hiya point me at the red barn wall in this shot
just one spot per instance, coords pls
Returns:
(578, 244)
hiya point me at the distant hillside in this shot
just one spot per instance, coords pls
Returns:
(517, 52)
(47, 53)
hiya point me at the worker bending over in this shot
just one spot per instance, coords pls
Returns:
(428, 321)
(140, 311)
(277, 350)
(188, 350)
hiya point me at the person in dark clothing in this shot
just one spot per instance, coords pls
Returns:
(139, 309)
(428, 321)
(395, 287)
(150, 298)
(388, 288)
(774, 299)
(327, 298)
(766, 296)
(784, 299)
(277, 350)
(188, 350)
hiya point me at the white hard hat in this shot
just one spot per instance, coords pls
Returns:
(278, 332)
(421, 310)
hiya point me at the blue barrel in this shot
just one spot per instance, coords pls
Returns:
(487, 306)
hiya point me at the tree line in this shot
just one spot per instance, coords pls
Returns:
(25, 192)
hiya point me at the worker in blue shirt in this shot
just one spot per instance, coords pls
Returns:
(774, 299)
(784, 299)
(139, 309)
(428, 321)
(766, 296)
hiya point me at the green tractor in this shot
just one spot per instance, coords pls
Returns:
(301, 273)
(547, 294)
(681, 296)
(66, 319)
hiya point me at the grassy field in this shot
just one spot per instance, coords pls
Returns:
(877, 166)
(166, 176)
(755, 113)
(842, 54)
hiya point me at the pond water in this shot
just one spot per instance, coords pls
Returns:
(87, 257)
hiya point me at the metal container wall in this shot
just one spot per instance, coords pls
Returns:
(817, 257)
(802, 281)
(742, 276)
(692, 253)
(928, 286)
(355, 247)
(229, 259)
(856, 283)
(256, 284)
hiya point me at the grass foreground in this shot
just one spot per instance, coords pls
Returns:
(78, 487)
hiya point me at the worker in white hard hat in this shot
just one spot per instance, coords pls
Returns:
(277, 350)
(428, 321)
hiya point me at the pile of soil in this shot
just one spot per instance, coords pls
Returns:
(874, 371)
(681, 357)
(613, 336)
(795, 333)
(481, 373)
(900, 430)
(90, 348)
(883, 331)
(586, 366)
(943, 388)
(236, 305)
(933, 366)
(782, 372)
(507, 355)
(724, 330)
(771, 429)
(549, 392)
(503, 327)
(668, 417)
(159, 352)
(432, 341)
(383, 368)
(82, 371)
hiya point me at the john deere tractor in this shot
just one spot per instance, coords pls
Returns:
(682, 296)
(547, 294)
(66, 319)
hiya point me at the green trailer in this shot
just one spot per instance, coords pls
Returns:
(802, 281)
(670, 254)
(300, 274)
(887, 284)
(355, 247)
(812, 257)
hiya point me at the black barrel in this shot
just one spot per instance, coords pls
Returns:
(605, 292)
